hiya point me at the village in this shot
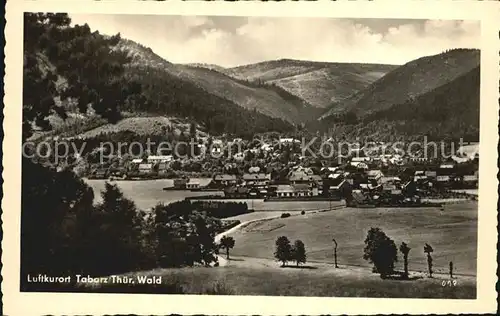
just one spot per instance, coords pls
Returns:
(279, 172)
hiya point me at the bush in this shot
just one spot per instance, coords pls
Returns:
(285, 215)
(63, 233)
(185, 235)
(303, 213)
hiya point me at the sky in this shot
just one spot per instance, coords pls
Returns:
(234, 41)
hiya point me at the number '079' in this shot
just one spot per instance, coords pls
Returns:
(449, 283)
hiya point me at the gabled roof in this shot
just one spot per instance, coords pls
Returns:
(337, 186)
(256, 176)
(284, 188)
(389, 179)
(166, 158)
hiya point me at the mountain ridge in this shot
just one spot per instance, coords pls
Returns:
(412, 79)
(316, 82)
(268, 99)
(449, 111)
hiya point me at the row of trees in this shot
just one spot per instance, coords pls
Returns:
(380, 250)
(383, 253)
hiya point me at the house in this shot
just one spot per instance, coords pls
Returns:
(180, 183)
(443, 179)
(302, 190)
(288, 141)
(359, 165)
(145, 168)
(419, 159)
(389, 187)
(163, 168)
(224, 179)
(458, 159)
(100, 173)
(298, 177)
(470, 180)
(359, 197)
(284, 190)
(374, 175)
(387, 180)
(339, 189)
(193, 184)
(257, 179)
(469, 151)
(294, 190)
(137, 161)
(301, 177)
(447, 165)
(316, 179)
(335, 176)
(360, 159)
(158, 159)
(431, 174)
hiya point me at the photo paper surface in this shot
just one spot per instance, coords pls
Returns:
(250, 158)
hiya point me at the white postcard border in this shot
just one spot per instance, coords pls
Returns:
(17, 303)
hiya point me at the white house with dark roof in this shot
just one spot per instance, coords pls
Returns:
(157, 159)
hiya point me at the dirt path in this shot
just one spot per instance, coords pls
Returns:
(217, 238)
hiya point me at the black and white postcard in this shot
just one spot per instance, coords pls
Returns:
(250, 158)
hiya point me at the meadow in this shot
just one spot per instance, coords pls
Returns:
(452, 232)
(273, 281)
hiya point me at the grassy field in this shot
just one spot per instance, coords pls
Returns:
(252, 269)
(260, 215)
(235, 280)
(452, 232)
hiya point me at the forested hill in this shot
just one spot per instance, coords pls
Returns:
(450, 111)
(70, 68)
(268, 99)
(409, 81)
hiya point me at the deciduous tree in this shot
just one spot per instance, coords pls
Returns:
(299, 252)
(227, 243)
(283, 250)
(381, 251)
(428, 250)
